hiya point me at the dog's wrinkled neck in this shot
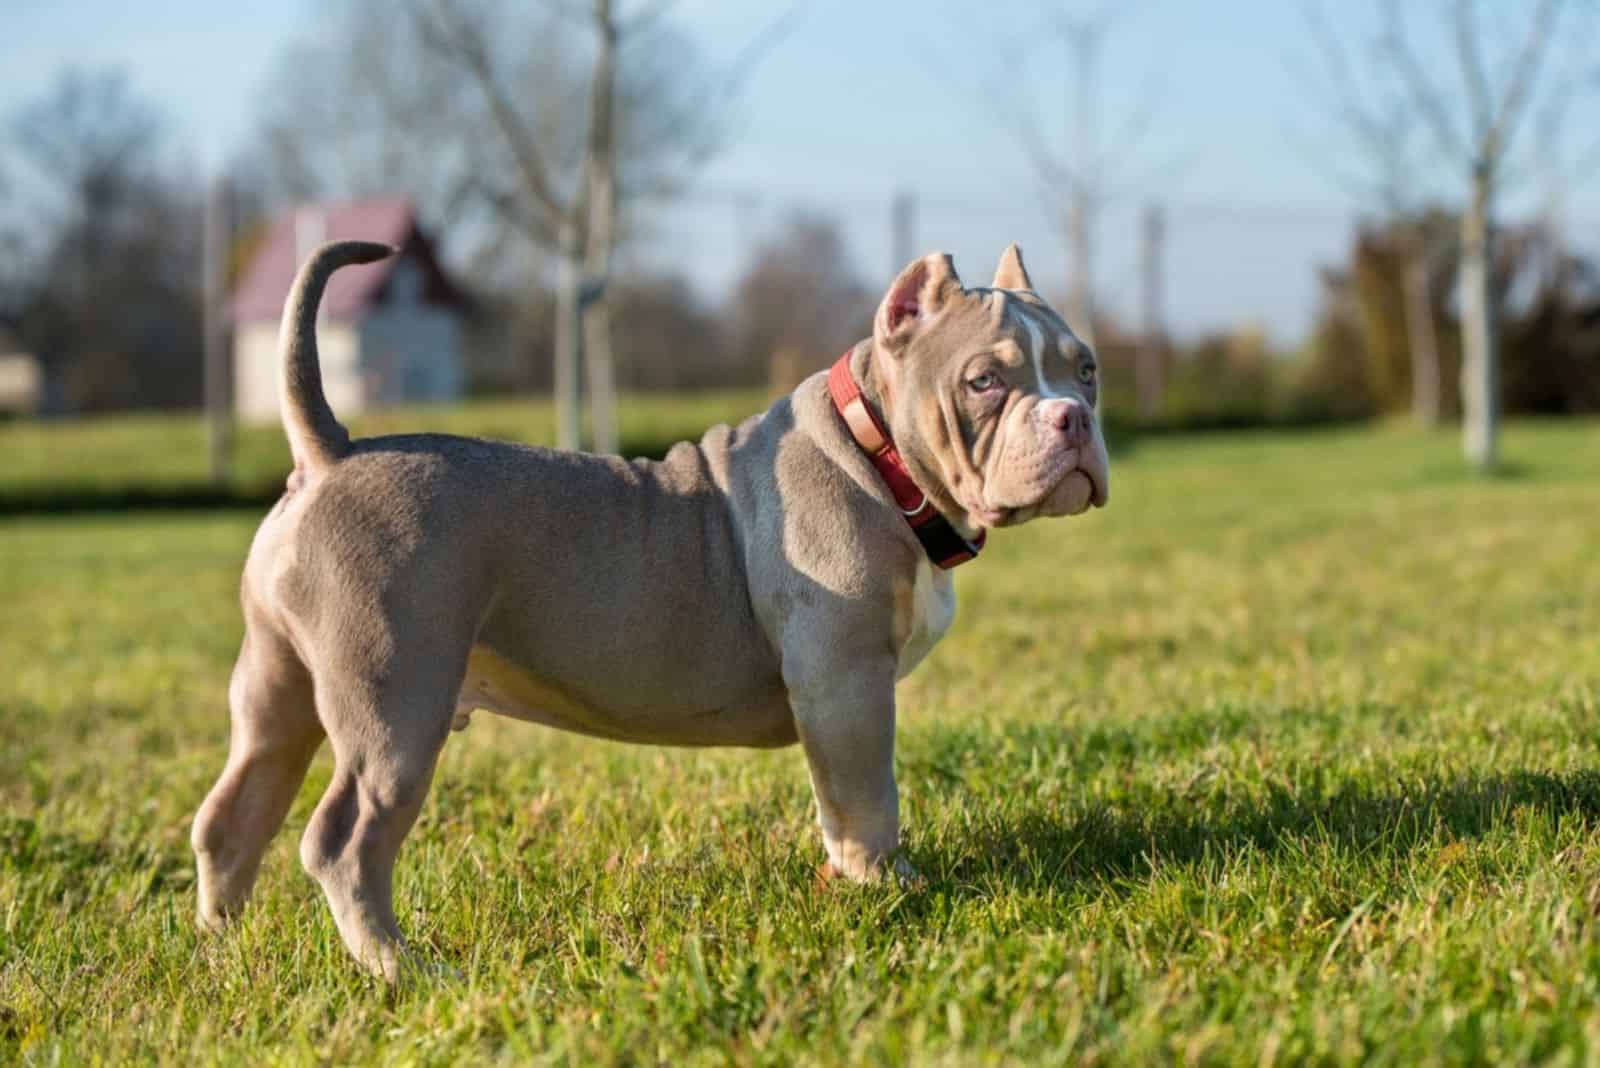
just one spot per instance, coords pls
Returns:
(864, 369)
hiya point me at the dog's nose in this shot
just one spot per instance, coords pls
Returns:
(1070, 416)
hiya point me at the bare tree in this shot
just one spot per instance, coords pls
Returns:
(559, 121)
(13, 247)
(1151, 358)
(1366, 104)
(600, 193)
(1476, 129)
(1080, 173)
(797, 305)
(107, 297)
(217, 374)
(1093, 164)
(358, 106)
(547, 209)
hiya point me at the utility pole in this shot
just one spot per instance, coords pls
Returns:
(1085, 38)
(601, 203)
(1151, 359)
(1480, 370)
(217, 379)
(902, 229)
(567, 342)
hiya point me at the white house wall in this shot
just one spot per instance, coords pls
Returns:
(255, 349)
(411, 354)
(339, 347)
(255, 371)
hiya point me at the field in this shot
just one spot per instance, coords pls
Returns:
(1292, 754)
(160, 460)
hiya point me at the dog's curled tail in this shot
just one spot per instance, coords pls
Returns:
(316, 438)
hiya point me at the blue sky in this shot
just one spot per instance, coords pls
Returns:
(864, 98)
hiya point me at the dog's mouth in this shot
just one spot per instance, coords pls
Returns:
(1099, 490)
(1076, 492)
(990, 518)
(1078, 489)
(1086, 484)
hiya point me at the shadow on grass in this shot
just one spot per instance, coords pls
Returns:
(1459, 473)
(1118, 843)
(195, 496)
(108, 500)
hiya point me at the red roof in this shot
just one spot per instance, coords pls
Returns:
(261, 292)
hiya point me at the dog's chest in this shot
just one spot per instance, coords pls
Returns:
(928, 614)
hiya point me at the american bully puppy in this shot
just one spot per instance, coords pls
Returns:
(763, 587)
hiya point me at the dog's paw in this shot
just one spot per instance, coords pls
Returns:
(407, 968)
(212, 919)
(897, 868)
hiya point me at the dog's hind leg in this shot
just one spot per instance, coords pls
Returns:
(387, 724)
(275, 733)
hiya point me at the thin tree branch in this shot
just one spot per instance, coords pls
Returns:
(1127, 136)
(1424, 94)
(1523, 75)
(760, 45)
(1349, 104)
(453, 39)
(1329, 164)
(572, 10)
(648, 14)
(1381, 133)
(1018, 117)
(731, 84)
(1473, 72)
(510, 208)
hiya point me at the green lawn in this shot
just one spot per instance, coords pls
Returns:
(1292, 754)
(166, 453)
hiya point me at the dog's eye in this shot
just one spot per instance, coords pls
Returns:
(984, 382)
(1086, 373)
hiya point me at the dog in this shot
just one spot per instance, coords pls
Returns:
(765, 586)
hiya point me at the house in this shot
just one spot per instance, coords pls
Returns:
(21, 381)
(389, 332)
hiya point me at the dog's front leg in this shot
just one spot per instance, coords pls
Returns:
(844, 713)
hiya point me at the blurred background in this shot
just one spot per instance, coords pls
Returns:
(1261, 213)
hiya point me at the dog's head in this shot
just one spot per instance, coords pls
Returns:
(988, 395)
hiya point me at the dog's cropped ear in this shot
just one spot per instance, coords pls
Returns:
(916, 296)
(1011, 274)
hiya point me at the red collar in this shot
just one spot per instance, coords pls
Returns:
(943, 543)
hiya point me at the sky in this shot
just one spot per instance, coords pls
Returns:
(861, 100)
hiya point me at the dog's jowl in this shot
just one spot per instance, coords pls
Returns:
(403, 582)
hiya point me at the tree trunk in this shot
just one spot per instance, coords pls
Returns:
(1149, 361)
(217, 376)
(1420, 336)
(1480, 402)
(1080, 239)
(568, 417)
(602, 205)
(599, 363)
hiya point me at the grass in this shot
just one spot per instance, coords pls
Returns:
(1291, 755)
(163, 458)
